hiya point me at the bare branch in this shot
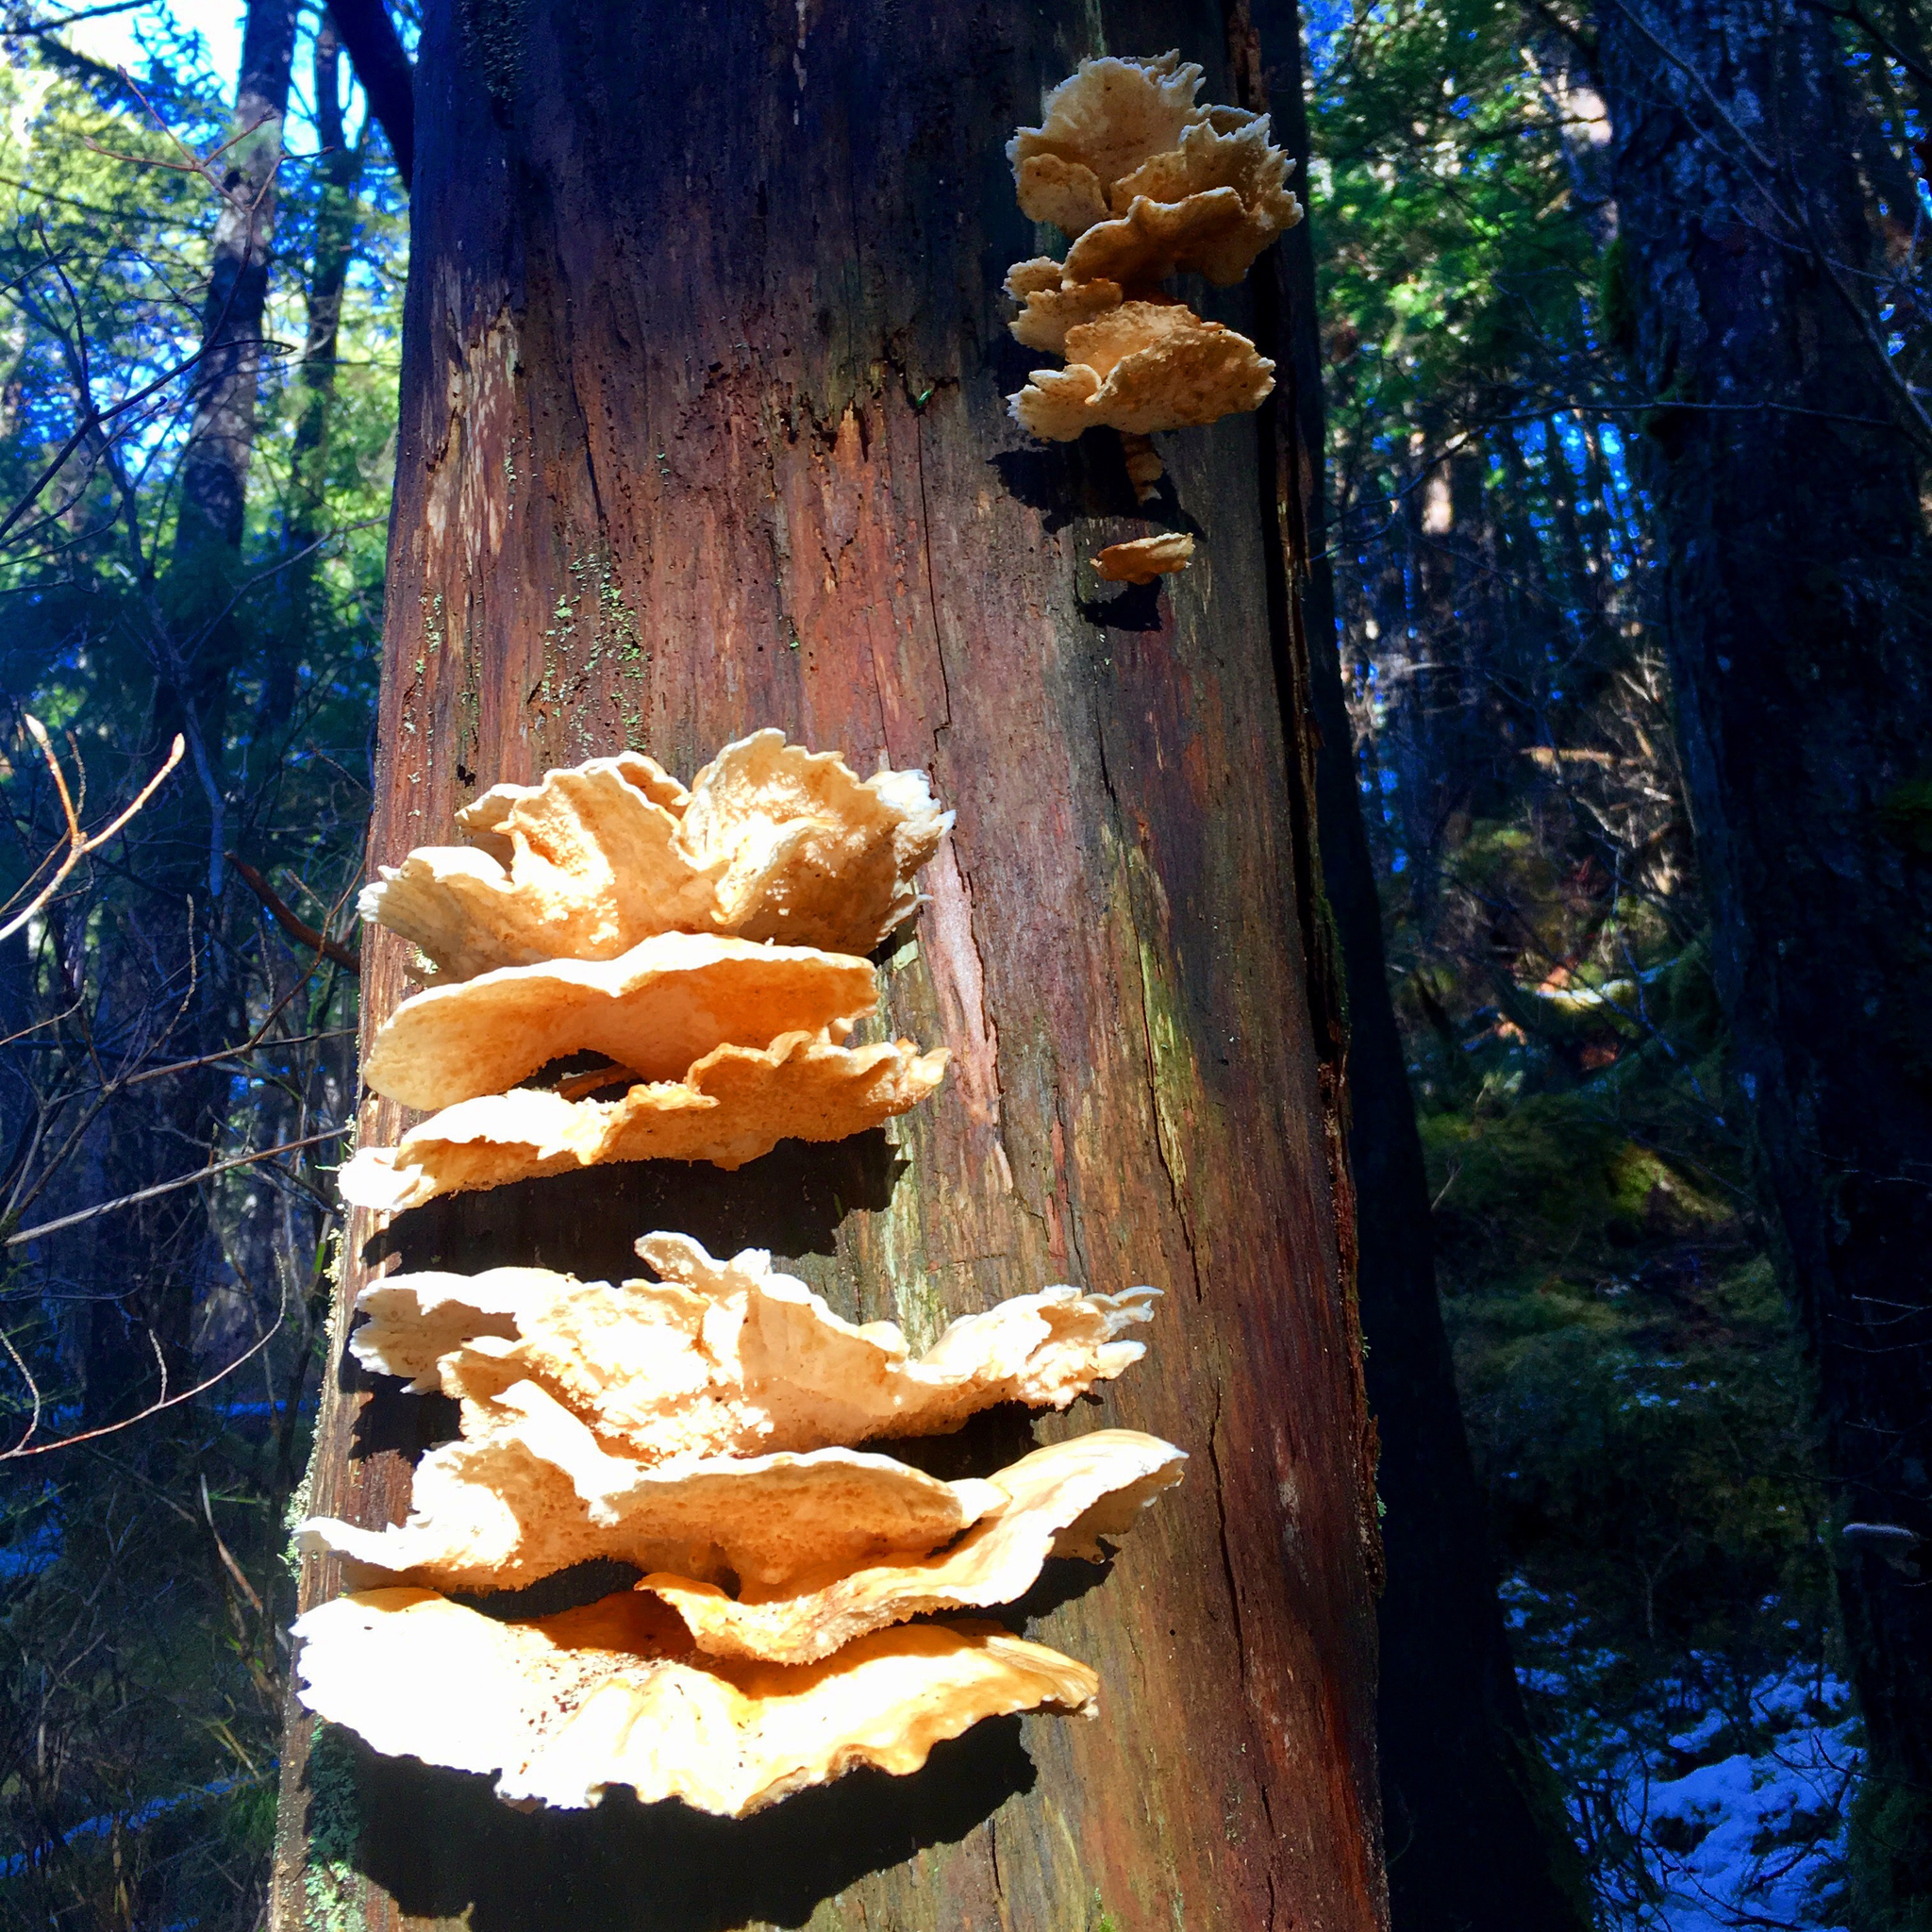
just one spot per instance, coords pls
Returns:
(78, 842)
(290, 921)
(24, 1447)
(185, 1180)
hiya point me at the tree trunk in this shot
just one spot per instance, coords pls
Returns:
(328, 275)
(704, 430)
(221, 440)
(1794, 584)
(382, 66)
(315, 380)
(1475, 1828)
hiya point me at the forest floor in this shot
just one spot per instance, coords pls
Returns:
(1736, 1820)
(1639, 1415)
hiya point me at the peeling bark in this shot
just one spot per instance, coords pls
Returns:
(702, 431)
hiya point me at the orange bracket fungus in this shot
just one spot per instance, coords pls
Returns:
(727, 1357)
(1053, 1503)
(568, 1707)
(652, 1011)
(533, 1492)
(1146, 184)
(731, 1105)
(1144, 559)
(770, 843)
(703, 1427)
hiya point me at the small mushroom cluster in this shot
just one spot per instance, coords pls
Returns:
(703, 1427)
(1146, 184)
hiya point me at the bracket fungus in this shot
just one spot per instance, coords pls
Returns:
(1097, 126)
(533, 1492)
(770, 843)
(1144, 559)
(1054, 1503)
(1147, 184)
(729, 1358)
(568, 1707)
(1209, 204)
(652, 1011)
(734, 1105)
(724, 1047)
(1048, 311)
(703, 1427)
(1140, 367)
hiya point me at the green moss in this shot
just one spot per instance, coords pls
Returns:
(495, 31)
(334, 1804)
(1617, 299)
(1890, 1890)
(331, 1894)
(1906, 814)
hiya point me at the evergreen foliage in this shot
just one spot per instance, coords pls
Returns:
(145, 1588)
(1638, 1403)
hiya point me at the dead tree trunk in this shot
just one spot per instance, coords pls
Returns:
(704, 430)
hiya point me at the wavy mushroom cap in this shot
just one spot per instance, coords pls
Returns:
(565, 1709)
(732, 1358)
(1142, 367)
(770, 843)
(1100, 123)
(1209, 204)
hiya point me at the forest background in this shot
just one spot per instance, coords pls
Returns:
(181, 1009)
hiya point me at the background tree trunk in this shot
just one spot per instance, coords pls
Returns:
(382, 66)
(335, 242)
(214, 469)
(702, 431)
(152, 1265)
(1473, 1821)
(328, 275)
(1796, 601)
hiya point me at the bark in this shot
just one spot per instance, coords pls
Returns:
(704, 429)
(1474, 1824)
(1792, 570)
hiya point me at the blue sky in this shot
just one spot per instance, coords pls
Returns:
(114, 39)
(120, 37)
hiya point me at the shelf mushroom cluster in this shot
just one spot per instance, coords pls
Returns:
(701, 947)
(703, 1425)
(1146, 184)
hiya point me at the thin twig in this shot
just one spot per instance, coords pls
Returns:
(22, 1450)
(78, 842)
(185, 1180)
(291, 922)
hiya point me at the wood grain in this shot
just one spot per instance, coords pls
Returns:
(704, 430)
